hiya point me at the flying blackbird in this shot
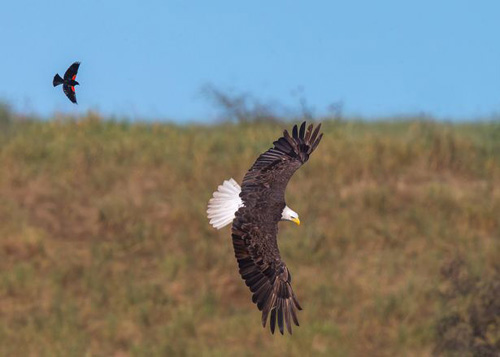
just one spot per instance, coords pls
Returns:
(68, 82)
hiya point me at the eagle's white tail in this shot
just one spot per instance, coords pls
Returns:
(224, 204)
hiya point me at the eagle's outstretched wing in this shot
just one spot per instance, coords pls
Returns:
(255, 226)
(72, 71)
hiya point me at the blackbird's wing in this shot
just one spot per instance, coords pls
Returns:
(72, 71)
(70, 93)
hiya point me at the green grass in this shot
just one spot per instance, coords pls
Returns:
(106, 250)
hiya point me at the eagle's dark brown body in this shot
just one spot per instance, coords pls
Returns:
(255, 226)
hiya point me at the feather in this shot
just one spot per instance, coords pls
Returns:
(259, 287)
(280, 315)
(272, 321)
(287, 308)
(302, 131)
(252, 282)
(252, 276)
(295, 132)
(268, 306)
(289, 139)
(308, 134)
(316, 143)
(294, 316)
(282, 145)
(262, 297)
(296, 302)
(315, 133)
(224, 203)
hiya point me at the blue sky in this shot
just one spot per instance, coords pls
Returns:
(151, 58)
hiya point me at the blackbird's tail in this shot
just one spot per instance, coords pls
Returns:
(57, 80)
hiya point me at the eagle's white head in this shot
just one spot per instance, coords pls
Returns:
(290, 215)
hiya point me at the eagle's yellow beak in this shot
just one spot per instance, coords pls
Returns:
(296, 221)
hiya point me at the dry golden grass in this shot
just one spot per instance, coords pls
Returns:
(106, 251)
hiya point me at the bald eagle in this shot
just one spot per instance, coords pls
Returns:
(255, 209)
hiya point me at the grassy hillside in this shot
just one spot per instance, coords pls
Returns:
(105, 249)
